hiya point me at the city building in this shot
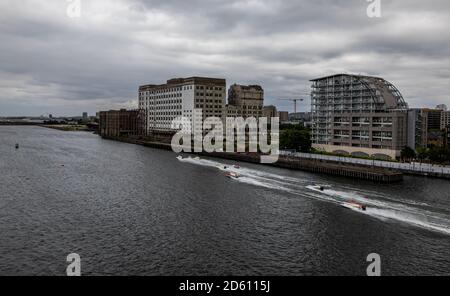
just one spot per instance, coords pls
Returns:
(179, 97)
(427, 127)
(445, 119)
(232, 111)
(447, 136)
(303, 118)
(269, 112)
(300, 116)
(85, 116)
(358, 115)
(442, 107)
(283, 115)
(245, 101)
(121, 123)
(434, 119)
(417, 128)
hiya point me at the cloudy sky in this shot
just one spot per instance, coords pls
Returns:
(51, 62)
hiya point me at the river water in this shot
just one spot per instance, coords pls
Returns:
(131, 210)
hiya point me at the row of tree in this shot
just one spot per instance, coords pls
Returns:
(434, 154)
(295, 137)
(298, 138)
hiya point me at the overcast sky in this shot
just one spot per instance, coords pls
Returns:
(52, 63)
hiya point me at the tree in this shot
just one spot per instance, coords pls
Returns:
(296, 139)
(439, 155)
(408, 153)
(422, 153)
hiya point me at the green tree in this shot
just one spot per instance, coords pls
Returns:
(296, 139)
(408, 153)
(422, 153)
(439, 154)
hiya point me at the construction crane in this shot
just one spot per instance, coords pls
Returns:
(295, 102)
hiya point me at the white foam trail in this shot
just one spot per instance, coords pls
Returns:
(410, 219)
(380, 209)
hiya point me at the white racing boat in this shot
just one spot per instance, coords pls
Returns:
(354, 206)
(319, 188)
(232, 175)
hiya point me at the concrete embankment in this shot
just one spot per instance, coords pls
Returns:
(315, 166)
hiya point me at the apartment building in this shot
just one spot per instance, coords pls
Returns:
(180, 97)
(417, 128)
(270, 111)
(283, 115)
(245, 101)
(358, 115)
(121, 123)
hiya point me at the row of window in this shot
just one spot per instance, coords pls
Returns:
(208, 95)
(198, 106)
(208, 101)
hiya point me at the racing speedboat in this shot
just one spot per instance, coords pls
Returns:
(320, 188)
(354, 206)
(232, 175)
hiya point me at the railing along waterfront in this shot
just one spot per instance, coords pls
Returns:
(417, 168)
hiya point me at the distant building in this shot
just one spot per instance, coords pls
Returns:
(269, 112)
(445, 119)
(427, 127)
(417, 128)
(434, 119)
(179, 97)
(447, 136)
(121, 123)
(283, 115)
(300, 116)
(442, 107)
(232, 111)
(245, 101)
(358, 115)
(85, 116)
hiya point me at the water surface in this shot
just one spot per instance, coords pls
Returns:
(131, 210)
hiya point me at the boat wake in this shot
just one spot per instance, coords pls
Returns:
(384, 208)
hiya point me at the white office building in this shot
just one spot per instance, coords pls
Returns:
(180, 97)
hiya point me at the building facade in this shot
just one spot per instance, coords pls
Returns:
(427, 127)
(358, 115)
(180, 97)
(447, 136)
(434, 119)
(445, 119)
(245, 101)
(417, 128)
(300, 116)
(121, 123)
(283, 115)
(269, 112)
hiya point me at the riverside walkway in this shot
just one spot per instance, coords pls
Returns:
(408, 168)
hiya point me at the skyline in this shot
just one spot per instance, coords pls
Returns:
(52, 63)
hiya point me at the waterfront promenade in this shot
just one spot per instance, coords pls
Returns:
(409, 168)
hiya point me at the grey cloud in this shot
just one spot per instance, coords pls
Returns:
(50, 63)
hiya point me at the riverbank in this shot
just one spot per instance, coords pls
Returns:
(374, 174)
(69, 127)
